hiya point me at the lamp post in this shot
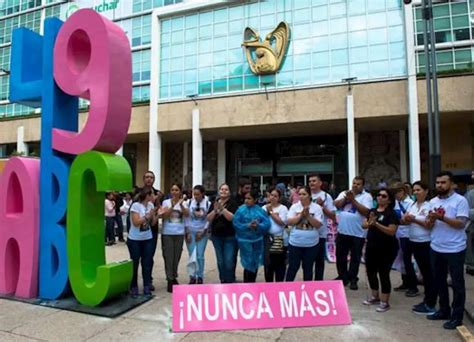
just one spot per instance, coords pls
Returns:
(429, 42)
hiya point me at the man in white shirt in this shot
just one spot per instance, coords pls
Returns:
(448, 219)
(324, 200)
(354, 206)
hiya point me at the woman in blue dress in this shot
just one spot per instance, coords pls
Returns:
(251, 224)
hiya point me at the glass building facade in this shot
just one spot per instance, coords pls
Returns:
(201, 53)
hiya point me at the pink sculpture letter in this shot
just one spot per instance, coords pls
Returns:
(92, 60)
(19, 227)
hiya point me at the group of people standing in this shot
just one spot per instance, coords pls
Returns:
(284, 239)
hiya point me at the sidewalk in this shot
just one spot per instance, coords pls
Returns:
(152, 321)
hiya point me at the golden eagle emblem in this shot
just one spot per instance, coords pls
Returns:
(266, 57)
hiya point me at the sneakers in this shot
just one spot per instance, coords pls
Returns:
(439, 316)
(146, 291)
(423, 309)
(452, 324)
(412, 293)
(371, 301)
(353, 285)
(400, 288)
(383, 306)
(345, 282)
(134, 291)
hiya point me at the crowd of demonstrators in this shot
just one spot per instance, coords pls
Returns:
(431, 233)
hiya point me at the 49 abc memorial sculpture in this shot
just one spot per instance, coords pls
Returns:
(51, 209)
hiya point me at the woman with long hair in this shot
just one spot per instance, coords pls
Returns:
(196, 232)
(275, 250)
(381, 249)
(223, 238)
(305, 218)
(173, 211)
(251, 224)
(420, 239)
(140, 239)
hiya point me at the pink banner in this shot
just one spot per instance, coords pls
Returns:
(259, 306)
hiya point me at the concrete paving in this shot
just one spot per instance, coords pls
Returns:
(152, 320)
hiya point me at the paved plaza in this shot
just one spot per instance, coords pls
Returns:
(152, 320)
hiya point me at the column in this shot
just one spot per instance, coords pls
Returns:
(21, 146)
(413, 125)
(185, 162)
(403, 156)
(221, 162)
(351, 139)
(197, 148)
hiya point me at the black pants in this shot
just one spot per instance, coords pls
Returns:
(298, 256)
(454, 263)
(275, 267)
(140, 252)
(320, 260)
(378, 261)
(249, 277)
(409, 278)
(421, 251)
(118, 220)
(109, 229)
(344, 245)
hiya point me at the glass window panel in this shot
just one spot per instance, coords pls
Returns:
(220, 86)
(236, 12)
(339, 57)
(337, 10)
(459, 8)
(360, 70)
(220, 15)
(235, 41)
(220, 57)
(251, 82)
(220, 29)
(204, 87)
(320, 13)
(463, 55)
(302, 46)
(285, 78)
(205, 18)
(235, 83)
(191, 21)
(205, 60)
(268, 21)
(302, 77)
(359, 54)
(205, 31)
(395, 34)
(190, 48)
(378, 36)
(302, 3)
(441, 24)
(397, 50)
(339, 41)
(443, 36)
(301, 31)
(339, 72)
(205, 45)
(460, 21)
(379, 69)
(176, 91)
(177, 50)
(164, 78)
(444, 57)
(320, 28)
(190, 89)
(376, 20)
(177, 37)
(165, 38)
(440, 11)
(236, 69)
(356, 7)
(462, 34)
(320, 59)
(190, 34)
(321, 43)
(395, 18)
(165, 64)
(190, 75)
(378, 52)
(358, 38)
(338, 25)
(357, 23)
(235, 55)
(205, 74)
(397, 67)
(302, 61)
(376, 6)
(236, 26)
(177, 23)
(302, 15)
(267, 7)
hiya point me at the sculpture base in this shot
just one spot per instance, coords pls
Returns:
(111, 308)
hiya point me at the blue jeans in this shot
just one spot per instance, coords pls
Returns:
(141, 251)
(200, 249)
(226, 254)
(109, 229)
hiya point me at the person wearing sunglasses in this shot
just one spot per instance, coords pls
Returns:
(381, 249)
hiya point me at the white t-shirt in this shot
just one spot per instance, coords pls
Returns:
(197, 220)
(135, 233)
(444, 238)
(417, 233)
(305, 238)
(275, 228)
(401, 208)
(329, 204)
(174, 225)
(349, 218)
